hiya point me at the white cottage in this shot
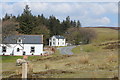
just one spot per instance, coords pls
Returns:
(22, 45)
(57, 40)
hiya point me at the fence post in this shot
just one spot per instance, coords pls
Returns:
(118, 72)
(24, 69)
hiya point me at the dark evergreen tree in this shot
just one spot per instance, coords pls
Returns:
(74, 23)
(78, 24)
(42, 30)
(26, 21)
(63, 26)
(7, 17)
(54, 26)
(68, 25)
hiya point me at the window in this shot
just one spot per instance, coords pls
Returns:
(53, 43)
(19, 41)
(24, 53)
(32, 49)
(3, 49)
(18, 49)
(53, 39)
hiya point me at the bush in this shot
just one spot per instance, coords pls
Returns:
(80, 35)
(84, 59)
(47, 66)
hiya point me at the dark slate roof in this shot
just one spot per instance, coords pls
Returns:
(26, 39)
(59, 37)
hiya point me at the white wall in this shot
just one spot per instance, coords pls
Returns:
(27, 49)
(58, 42)
(38, 49)
(61, 42)
(15, 50)
(9, 49)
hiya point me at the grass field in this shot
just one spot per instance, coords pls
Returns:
(97, 53)
(88, 61)
(104, 35)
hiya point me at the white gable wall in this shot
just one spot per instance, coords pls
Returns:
(15, 50)
(9, 49)
(12, 49)
(53, 41)
(56, 42)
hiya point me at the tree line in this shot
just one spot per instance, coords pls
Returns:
(27, 23)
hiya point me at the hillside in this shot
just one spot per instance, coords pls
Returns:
(105, 34)
(88, 61)
(115, 28)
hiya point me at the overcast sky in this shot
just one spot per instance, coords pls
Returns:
(89, 13)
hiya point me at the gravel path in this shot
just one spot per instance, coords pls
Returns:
(66, 50)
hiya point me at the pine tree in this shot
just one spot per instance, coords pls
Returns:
(68, 25)
(54, 26)
(74, 23)
(78, 24)
(26, 21)
(7, 17)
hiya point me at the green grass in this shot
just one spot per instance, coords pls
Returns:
(9, 58)
(86, 48)
(14, 58)
(105, 34)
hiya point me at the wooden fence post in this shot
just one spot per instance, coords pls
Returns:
(24, 69)
(119, 72)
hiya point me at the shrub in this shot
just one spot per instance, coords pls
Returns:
(84, 59)
(47, 66)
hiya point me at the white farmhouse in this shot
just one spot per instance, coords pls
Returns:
(57, 40)
(22, 45)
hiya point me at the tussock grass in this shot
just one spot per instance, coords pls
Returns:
(70, 64)
(18, 72)
(30, 67)
(112, 57)
(47, 66)
(102, 66)
(84, 59)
